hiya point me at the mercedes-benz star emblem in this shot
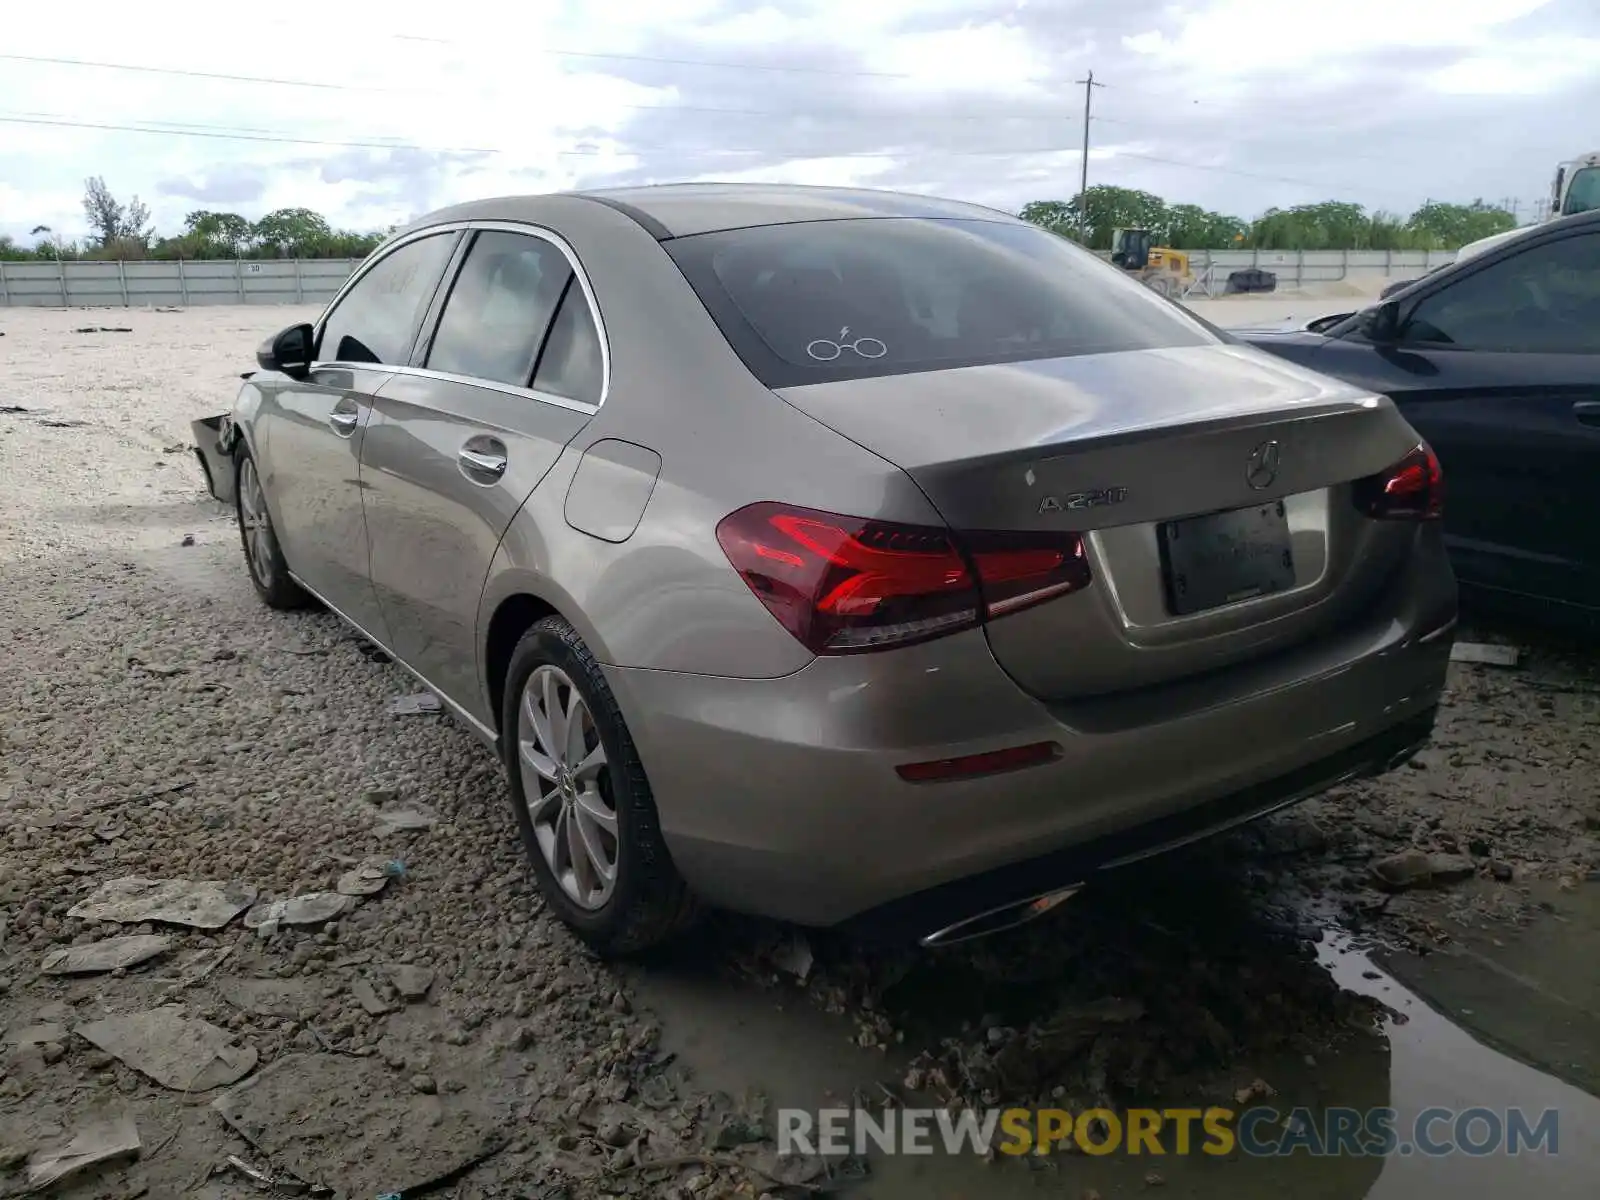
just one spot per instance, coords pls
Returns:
(1261, 468)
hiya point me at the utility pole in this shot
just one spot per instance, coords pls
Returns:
(1089, 86)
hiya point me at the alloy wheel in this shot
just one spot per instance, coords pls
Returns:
(562, 763)
(254, 522)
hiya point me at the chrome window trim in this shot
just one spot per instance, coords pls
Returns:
(518, 227)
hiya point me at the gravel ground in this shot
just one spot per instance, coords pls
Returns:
(157, 722)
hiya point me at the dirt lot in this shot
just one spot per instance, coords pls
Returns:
(156, 722)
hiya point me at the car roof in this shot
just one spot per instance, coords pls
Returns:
(685, 209)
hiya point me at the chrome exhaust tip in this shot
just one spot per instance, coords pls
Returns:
(998, 920)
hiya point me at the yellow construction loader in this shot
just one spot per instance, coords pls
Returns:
(1157, 267)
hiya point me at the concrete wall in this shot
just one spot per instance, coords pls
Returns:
(315, 280)
(175, 283)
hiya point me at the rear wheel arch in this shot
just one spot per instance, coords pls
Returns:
(513, 617)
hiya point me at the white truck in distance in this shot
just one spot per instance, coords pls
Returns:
(1575, 189)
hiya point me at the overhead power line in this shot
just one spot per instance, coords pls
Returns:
(378, 89)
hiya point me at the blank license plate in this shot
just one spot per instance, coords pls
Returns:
(1226, 557)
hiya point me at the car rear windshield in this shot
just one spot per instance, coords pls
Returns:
(818, 301)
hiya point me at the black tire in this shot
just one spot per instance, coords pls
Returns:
(277, 590)
(650, 903)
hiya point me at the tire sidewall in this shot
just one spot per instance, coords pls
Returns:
(542, 645)
(264, 587)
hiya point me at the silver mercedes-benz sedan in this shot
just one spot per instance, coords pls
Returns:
(840, 556)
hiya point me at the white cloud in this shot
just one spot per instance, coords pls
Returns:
(1251, 102)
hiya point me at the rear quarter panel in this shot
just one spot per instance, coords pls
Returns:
(666, 598)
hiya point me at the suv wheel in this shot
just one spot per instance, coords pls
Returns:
(582, 803)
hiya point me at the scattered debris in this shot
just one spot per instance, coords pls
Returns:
(313, 908)
(265, 997)
(1418, 868)
(40, 1034)
(366, 995)
(794, 956)
(370, 877)
(415, 704)
(1483, 652)
(107, 955)
(61, 423)
(1258, 1089)
(208, 904)
(188, 540)
(103, 329)
(412, 982)
(298, 1113)
(177, 1052)
(93, 1145)
(7, 409)
(404, 818)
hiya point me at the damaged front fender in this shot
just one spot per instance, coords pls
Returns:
(214, 442)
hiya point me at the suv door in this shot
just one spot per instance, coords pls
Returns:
(1499, 369)
(513, 368)
(311, 430)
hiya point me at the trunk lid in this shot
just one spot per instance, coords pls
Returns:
(1118, 447)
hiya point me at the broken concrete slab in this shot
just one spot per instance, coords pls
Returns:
(207, 904)
(313, 908)
(412, 982)
(109, 954)
(41, 1034)
(177, 1052)
(405, 818)
(1419, 868)
(365, 994)
(369, 877)
(1483, 652)
(266, 997)
(415, 704)
(302, 1113)
(93, 1145)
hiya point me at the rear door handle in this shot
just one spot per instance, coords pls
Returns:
(481, 466)
(1587, 411)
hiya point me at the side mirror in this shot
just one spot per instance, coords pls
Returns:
(1380, 324)
(288, 351)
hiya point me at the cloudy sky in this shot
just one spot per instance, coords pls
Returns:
(372, 113)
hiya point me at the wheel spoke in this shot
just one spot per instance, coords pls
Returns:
(593, 808)
(574, 750)
(541, 804)
(586, 769)
(578, 856)
(599, 864)
(539, 723)
(555, 716)
(537, 761)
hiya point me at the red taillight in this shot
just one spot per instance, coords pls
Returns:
(1411, 490)
(847, 584)
(971, 766)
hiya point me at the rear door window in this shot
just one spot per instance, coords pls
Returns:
(499, 308)
(570, 364)
(376, 321)
(823, 300)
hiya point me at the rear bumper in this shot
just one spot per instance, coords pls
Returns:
(780, 796)
(213, 446)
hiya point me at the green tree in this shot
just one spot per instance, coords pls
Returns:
(113, 223)
(294, 233)
(1457, 224)
(228, 232)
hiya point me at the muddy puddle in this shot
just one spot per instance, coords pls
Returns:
(1215, 979)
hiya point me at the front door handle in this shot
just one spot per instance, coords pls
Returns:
(344, 423)
(1587, 411)
(480, 466)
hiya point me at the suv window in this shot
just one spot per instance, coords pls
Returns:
(570, 363)
(1545, 299)
(500, 308)
(377, 319)
(815, 301)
